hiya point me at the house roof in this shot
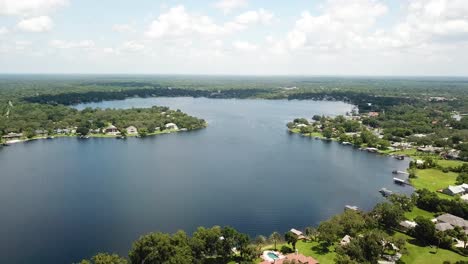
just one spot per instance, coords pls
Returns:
(456, 189)
(464, 197)
(296, 232)
(443, 226)
(110, 127)
(408, 224)
(345, 240)
(453, 220)
(297, 257)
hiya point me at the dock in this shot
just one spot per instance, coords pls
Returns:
(399, 181)
(351, 207)
(385, 192)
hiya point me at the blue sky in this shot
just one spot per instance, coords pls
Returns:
(257, 37)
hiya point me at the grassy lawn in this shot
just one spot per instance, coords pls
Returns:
(433, 179)
(418, 254)
(312, 249)
(418, 212)
(450, 163)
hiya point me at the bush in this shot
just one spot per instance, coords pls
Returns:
(286, 250)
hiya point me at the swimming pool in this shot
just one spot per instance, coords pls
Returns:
(272, 255)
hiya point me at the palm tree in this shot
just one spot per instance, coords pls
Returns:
(275, 237)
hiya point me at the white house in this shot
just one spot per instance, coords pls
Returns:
(171, 126)
(345, 240)
(131, 130)
(111, 130)
(454, 190)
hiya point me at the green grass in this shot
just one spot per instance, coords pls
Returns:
(418, 254)
(418, 212)
(433, 179)
(450, 163)
(311, 249)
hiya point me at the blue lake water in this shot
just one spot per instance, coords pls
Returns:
(66, 199)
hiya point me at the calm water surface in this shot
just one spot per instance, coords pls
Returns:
(63, 200)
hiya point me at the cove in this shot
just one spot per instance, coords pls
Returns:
(66, 199)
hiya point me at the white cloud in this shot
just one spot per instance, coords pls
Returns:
(244, 46)
(133, 46)
(3, 30)
(178, 22)
(433, 20)
(83, 44)
(228, 6)
(29, 7)
(36, 24)
(252, 17)
(341, 24)
(122, 28)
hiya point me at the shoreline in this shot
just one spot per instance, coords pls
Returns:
(171, 131)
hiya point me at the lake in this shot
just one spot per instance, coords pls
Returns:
(66, 199)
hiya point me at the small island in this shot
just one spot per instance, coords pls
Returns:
(36, 121)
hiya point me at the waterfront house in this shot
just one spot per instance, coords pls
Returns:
(12, 136)
(111, 130)
(131, 130)
(407, 225)
(40, 132)
(171, 126)
(456, 190)
(453, 220)
(443, 227)
(345, 240)
(298, 233)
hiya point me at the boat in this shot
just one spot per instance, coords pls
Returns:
(385, 192)
(400, 157)
(50, 137)
(399, 181)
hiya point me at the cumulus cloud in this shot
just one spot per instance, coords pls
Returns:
(244, 46)
(82, 44)
(433, 20)
(36, 24)
(178, 22)
(341, 23)
(29, 7)
(133, 46)
(122, 28)
(3, 30)
(228, 6)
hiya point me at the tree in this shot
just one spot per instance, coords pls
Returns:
(328, 233)
(82, 131)
(105, 258)
(328, 133)
(366, 248)
(425, 230)
(143, 132)
(316, 118)
(402, 201)
(260, 240)
(275, 237)
(388, 215)
(29, 133)
(291, 238)
(311, 233)
(155, 248)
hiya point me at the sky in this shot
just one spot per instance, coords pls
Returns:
(235, 37)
